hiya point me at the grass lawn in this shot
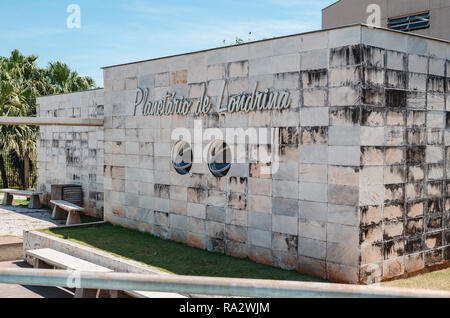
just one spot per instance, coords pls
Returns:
(23, 203)
(171, 256)
(437, 280)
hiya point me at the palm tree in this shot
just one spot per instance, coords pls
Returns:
(21, 81)
(62, 79)
(19, 86)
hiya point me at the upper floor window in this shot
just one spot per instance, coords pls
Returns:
(410, 23)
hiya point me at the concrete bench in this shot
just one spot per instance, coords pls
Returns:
(46, 257)
(43, 258)
(63, 209)
(149, 294)
(35, 202)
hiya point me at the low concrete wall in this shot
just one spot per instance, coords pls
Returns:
(10, 249)
(36, 240)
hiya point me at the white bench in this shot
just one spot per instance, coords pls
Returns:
(35, 202)
(150, 294)
(64, 209)
(48, 257)
(42, 258)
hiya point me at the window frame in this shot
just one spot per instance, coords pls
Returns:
(414, 22)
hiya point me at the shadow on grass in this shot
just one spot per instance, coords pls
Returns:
(171, 256)
(89, 219)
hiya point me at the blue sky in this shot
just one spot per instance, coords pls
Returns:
(118, 31)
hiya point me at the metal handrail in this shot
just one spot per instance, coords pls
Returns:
(51, 121)
(204, 285)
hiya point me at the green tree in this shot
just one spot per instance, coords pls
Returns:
(61, 79)
(21, 81)
(238, 40)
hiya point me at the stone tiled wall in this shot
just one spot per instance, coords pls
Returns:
(361, 191)
(303, 217)
(72, 155)
(404, 205)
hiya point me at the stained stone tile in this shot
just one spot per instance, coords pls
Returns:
(313, 211)
(260, 204)
(312, 229)
(344, 155)
(285, 224)
(259, 238)
(344, 136)
(314, 78)
(312, 248)
(372, 156)
(316, 192)
(343, 175)
(287, 207)
(262, 221)
(237, 217)
(313, 173)
(313, 60)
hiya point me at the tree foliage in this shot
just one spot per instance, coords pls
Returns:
(238, 40)
(21, 82)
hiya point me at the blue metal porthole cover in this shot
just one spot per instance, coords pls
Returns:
(219, 168)
(182, 157)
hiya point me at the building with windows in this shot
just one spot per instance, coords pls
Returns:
(425, 17)
(350, 128)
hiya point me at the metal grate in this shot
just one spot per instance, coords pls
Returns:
(14, 177)
(72, 195)
(67, 192)
(410, 23)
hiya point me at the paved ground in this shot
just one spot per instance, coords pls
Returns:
(18, 291)
(14, 220)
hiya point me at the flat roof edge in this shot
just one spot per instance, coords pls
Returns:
(83, 91)
(331, 5)
(280, 37)
(234, 45)
(405, 33)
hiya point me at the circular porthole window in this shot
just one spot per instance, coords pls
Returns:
(182, 157)
(219, 158)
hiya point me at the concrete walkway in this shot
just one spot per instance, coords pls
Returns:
(15, 219)
(18, 291)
